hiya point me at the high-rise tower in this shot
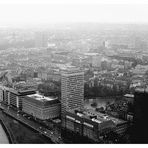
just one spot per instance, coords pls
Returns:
(72, 89)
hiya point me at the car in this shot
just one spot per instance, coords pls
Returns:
(45, 132)
(29, 117)
(40, 127)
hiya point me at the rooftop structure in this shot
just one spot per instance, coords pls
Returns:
(41, 101)
(40, 97)
(99, 117)
(129, 95)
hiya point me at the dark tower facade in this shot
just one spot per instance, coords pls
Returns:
(140, 124)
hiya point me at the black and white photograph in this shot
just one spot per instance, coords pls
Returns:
(73, 72)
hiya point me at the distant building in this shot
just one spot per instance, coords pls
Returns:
(107, 44)
(72, 89)
(41, 39)
(60, 57)
(42, 75)
(41, 107)
(54, 76)
(96, 61)
(140, 69)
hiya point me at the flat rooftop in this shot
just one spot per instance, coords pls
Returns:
(41, 101)
(18, 92)
(40, 97)
(105, 117)
(100, 117)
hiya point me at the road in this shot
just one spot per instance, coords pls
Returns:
(33, 124)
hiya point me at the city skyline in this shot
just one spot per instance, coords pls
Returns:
(73, 72)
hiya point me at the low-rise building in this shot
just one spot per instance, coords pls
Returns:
(93, 124)
(13, 97)
(41, 107)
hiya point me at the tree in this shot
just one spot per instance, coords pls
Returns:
(134, 64)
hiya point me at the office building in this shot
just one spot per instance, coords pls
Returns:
(72, 89)
(92, 124)
(41, 107)
(140, 119)
(12, 97)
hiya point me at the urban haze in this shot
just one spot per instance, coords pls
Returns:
(73, 73)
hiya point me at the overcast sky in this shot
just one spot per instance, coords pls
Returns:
(84, 11)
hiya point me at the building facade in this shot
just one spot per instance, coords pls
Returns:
(12, 97)
(72, 89)
(41, 107)
(88, 125)
(140, 122)
(93, 125)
